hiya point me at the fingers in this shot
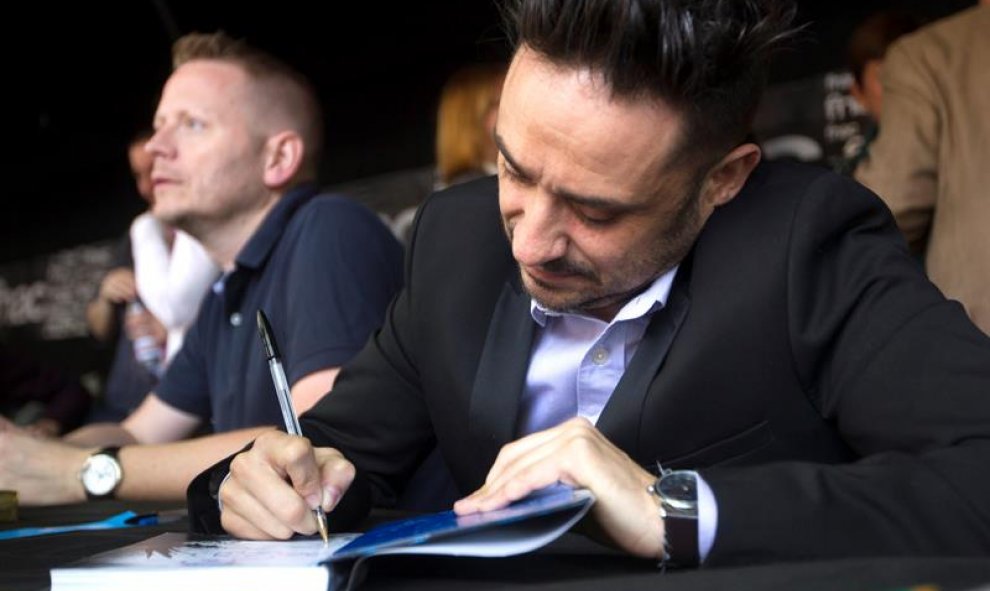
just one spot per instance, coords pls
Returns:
(525, 446)
(257, 491)
(274, 487)
(531, 463)
(577, 454)
(145, 323)
(119, 286)
(246, 516)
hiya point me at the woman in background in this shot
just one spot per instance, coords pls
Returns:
(465, 139)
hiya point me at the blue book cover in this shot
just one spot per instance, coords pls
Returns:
(522, 526)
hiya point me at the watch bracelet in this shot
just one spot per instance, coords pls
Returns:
(671, 526)
(654, 490)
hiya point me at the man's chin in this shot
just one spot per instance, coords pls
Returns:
(170, 216)
(575, 302)
(555, 300)
(165, 215)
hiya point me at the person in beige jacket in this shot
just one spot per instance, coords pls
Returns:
(931, 161)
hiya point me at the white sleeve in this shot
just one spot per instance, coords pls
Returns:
(707, 519)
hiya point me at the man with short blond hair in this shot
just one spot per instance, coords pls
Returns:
(236, 146)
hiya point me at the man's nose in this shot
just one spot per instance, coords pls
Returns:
(160, 144)
(537, 234)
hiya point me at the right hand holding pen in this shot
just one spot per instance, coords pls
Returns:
(274, 487)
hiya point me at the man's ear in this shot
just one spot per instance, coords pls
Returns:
(283, 158)
(859, 95)
(727, 178)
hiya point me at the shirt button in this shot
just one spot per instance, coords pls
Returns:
(235, 319)
(599, 356)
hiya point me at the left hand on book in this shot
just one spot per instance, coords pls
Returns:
(577, 454)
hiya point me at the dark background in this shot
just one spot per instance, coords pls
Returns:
(80, 79)
(89, 74)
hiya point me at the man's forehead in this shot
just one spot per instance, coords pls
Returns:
(574, 109)
(208, 88)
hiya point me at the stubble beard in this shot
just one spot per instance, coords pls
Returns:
(672, 245)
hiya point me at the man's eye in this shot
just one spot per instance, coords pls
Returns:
(194, 124)
(513, 174)
(594, 217)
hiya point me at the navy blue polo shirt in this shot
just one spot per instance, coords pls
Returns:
(323, 268)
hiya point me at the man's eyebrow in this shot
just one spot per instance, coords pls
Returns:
(597, 202)
(592, 201)
(500, 144)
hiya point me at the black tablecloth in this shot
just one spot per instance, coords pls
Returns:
(569, 564)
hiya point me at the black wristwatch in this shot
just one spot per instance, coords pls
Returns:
(678, 494)
(101, 474)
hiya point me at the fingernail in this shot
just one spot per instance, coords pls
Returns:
(330, 497)
(313, 500)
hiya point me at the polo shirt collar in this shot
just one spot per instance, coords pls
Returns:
(232, 285)
(264, 239)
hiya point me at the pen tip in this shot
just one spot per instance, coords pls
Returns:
(321, 524)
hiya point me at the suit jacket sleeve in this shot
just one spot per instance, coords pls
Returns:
(901, 373)
(376, 411)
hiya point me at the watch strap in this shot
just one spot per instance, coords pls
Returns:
(680, 544)
(681, 541)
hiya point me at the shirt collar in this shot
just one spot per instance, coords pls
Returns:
(264, 239)
(646, 302)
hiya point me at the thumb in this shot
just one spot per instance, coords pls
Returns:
(336, 476)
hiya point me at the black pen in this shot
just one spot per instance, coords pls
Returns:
(285, 401)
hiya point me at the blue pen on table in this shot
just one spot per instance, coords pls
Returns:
(285, 401)
(125, 519)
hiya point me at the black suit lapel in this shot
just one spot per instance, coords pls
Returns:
(501, 373)
(622, 416)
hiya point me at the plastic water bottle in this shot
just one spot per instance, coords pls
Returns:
(146, 350)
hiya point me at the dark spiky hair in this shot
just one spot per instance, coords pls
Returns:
(705, 58)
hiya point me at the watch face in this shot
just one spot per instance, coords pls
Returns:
(679, 490)
(100, 475)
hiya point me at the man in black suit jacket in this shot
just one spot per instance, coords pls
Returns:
(828, 400)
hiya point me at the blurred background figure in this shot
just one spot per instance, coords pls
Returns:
(465, 140)
(46, 401)
(147, 300)
(867, 49)
(865, 55)
(929, 161)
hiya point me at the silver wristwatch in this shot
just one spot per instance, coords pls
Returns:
(678, 494)
(101, 474)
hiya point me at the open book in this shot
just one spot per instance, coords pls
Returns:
(179, 561)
